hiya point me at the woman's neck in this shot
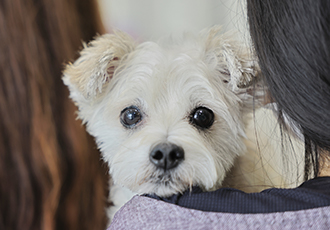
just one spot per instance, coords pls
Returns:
(324, 166)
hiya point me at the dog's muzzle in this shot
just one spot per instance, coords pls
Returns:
(166, 156)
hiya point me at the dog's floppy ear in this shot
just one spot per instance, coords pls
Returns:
(235, 64)
(92, 71)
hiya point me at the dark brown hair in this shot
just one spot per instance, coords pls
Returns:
(292, 42)
(50, 173)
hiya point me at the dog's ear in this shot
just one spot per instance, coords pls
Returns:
(91, 72)
(235, 65)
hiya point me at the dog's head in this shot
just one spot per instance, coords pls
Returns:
(165, 116)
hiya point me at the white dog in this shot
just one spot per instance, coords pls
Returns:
(169, 115)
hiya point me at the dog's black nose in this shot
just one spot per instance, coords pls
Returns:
(166, 155)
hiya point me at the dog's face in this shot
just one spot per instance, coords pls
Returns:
(165, 116)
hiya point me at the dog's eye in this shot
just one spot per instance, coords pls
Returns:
(202, 118)
(130, 116)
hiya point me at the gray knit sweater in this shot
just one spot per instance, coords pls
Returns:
(146, 213)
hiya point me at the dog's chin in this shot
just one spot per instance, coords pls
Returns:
(166, 189)
(163, 185)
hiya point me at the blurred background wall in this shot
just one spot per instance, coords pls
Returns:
(151, 19)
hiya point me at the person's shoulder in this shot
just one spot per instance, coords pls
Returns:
(146, 213)
(311, 194)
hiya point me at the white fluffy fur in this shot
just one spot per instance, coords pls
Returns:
(166, 81)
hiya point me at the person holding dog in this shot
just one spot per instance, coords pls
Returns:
(291, 40)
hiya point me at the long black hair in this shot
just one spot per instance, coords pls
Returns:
(292, 42)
